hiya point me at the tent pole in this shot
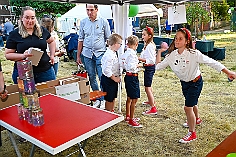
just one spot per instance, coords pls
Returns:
(159, 24)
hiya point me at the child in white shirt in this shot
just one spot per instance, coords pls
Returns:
(184, 61)
(111, 71)
(129, 61)
(148, 56)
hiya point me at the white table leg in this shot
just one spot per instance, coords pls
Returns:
(13, 141)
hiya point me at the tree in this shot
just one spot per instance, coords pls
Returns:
(42, 7)
(231, 3)
(220, 11)
(196, 15)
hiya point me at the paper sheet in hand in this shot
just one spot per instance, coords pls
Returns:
(37, 54)
(69, 91)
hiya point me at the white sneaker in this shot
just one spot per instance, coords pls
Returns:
(97, 103)
(102, 105)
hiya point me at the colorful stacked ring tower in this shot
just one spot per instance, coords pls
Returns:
(28, 108)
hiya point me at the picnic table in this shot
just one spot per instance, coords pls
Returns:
(205, 46)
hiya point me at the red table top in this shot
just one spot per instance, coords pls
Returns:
(225, 147)
(66, 123)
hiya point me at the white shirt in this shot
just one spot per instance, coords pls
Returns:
(149, 54)
(129, 61)
(186, 65)
(56, 39)
(110, 63)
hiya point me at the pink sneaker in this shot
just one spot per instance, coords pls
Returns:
(198, 122)
(191, 136)
(128, 118)
(134, 124)
(152, 111)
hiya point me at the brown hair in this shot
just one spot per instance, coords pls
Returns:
(48, 23)
(188, 37)
(113, 39)
(95, 6)
(150, 32)
(22, 30)
(132, 40)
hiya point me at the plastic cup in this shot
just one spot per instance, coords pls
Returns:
(25, 69)
(29, 86)
(37, 117)
(21, 112)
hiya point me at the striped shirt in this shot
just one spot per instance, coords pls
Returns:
(94, 35)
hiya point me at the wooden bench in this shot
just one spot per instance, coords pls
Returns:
(95, 95)
(225, 147)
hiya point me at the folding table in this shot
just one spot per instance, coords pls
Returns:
(66, 123)
(225, 147)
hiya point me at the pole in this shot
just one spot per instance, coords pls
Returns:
(159, 24)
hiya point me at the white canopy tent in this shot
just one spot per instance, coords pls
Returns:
(150, 10)
(122, 27)
(120, 13)
(122, 23)
(66, 21)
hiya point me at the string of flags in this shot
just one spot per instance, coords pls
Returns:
(9, 8)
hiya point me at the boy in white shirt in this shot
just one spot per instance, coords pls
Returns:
(129, 61)
(111, 71)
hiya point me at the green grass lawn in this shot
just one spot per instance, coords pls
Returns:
(160, 134)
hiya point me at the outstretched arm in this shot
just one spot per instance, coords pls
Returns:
(231, 75)
(158, 57)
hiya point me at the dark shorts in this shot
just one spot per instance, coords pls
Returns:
(132, 87)
(109, 86)
(148, 75)
(191, 91)
(168, 32)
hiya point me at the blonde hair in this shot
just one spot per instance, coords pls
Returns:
(22, 30)
(113, 39)
(132, 40)
(48, 23)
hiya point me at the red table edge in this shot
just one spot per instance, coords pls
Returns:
(66, 145)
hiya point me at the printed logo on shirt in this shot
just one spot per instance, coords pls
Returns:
(176, 62)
